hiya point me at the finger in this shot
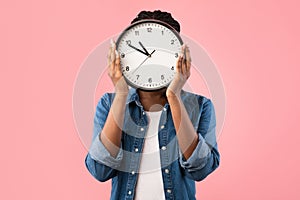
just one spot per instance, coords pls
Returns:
(183, 50)
(180, 60)
(108, 56)
(187, 61)
(110, 64)
(184, 60)
(113, 48)
(117, 62)
(112, 57)
(188, 58)
(179, 64)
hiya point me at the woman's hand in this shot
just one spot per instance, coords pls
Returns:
(186, 135)
(183, 71)
(115, 72)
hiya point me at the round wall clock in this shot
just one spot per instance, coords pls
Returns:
(149, 50)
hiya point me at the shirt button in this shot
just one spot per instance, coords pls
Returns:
(136, 149)
(142, 129)
(169, 191)
(143, 113)
(162, 127)
(167, 171)
(129, 192)
(165, 109)
(163, 148)
(132, 172)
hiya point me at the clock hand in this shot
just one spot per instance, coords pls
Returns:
(147, 54)
(144, 48)
(143, 61)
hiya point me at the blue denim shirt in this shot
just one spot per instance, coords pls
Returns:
(179, 175)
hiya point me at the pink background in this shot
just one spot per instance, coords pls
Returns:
(254, 43)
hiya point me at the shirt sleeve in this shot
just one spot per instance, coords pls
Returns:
(205, 157)
(99, 162)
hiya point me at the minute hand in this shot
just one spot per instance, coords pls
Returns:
(144, 47)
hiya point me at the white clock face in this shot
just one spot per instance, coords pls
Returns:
(149, 51)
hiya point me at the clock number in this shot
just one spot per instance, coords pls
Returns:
(150, 80)
(162, 77)
(176, 55)
(172, 68)
(137, 33)
(149, 29)
(162, 32)
(127, 68)
(122, 55)
(128, 42)
(137, 77)
(172, 42)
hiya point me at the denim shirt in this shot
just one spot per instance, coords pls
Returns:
(179, 175)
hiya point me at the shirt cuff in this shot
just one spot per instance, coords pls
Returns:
(199, 157)
(100, 154)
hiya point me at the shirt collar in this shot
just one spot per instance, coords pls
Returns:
(132, 96)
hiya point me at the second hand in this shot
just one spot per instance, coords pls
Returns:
(143, 61)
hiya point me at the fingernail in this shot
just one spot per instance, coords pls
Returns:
(112, 43)
(117, 54)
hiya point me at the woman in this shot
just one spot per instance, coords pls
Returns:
(153, 144)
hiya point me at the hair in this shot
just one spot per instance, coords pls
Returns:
(158, 15)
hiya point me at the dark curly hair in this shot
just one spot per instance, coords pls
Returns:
(158, 15)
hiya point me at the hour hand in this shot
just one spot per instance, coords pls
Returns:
(146, 53)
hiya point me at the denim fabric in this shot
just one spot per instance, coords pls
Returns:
(179, 175)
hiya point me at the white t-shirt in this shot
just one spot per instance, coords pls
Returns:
(150, 183)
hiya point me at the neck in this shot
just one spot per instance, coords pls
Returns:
(161, 93)
(153, 100)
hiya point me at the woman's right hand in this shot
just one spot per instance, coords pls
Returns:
(114, 72)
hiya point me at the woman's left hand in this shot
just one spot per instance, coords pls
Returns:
(183, 72)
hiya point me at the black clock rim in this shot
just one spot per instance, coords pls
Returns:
(143, 22)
